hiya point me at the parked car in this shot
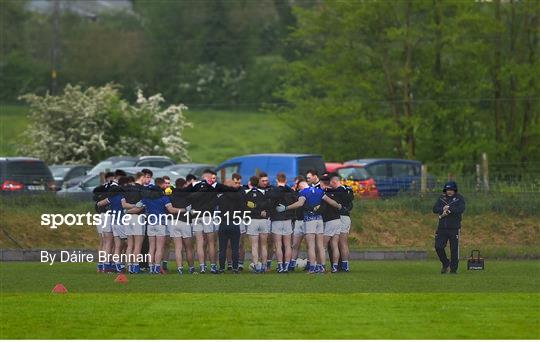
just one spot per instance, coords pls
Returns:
(24, 174)
(271, 163)
(119, 162)
(392, 175)
(190, 168)
(332, 166)
(358, 178)
(64, 173)
(83, 190)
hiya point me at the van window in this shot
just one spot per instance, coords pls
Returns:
(353, 173)
(378, 170)
(305, 164)
(404, 170)
(227, 171)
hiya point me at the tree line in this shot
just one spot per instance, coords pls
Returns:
(439, 81)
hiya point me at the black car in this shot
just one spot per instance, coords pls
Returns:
(24, 174)
(120, 162)
(68, 174)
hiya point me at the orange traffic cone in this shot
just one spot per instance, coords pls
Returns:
(121, 278)
(59, 288)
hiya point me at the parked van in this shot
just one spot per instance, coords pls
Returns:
(272, 163)
(392, 175)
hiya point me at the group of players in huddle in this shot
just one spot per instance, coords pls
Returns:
(195, 213)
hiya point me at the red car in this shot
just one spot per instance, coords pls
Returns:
(357, 177)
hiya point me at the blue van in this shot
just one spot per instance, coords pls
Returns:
(271, 163)
(392, 175)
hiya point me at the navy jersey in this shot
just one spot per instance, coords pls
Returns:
(101, 192)
(345, 197)
(260, 203)
(330, 213)
(133, 193)
(179, 199)
(281, 195)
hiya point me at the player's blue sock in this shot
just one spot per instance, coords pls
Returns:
(180, 270)
(191, 269)
(203, 267)
(322, 268)
(311, 269)
(136, 268)
(100, 267)
(334, 267)
(280, 267)
(292, 265)
(286, 267)
(157, 269)
(345, 265)
(308, 265)
(213, 268)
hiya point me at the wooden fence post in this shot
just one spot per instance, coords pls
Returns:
(423, 179)
(485, 171)
(478, 180)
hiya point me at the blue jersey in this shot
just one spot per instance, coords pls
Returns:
(314, 197)
(156, 206)
(116, 206)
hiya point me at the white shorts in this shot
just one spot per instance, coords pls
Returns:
(258, 226)
(156, 230)
(332, 228)
(106, 224)
(243, 228)
(180, 229)
(314, 226)
(282, 227)
(299, 227)
(134, 226)
(205, 228)
(98, 226)
(119, 230)
(345, 224)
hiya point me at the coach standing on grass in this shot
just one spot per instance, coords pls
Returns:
(450, 207)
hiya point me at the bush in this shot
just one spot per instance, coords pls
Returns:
(85, 126)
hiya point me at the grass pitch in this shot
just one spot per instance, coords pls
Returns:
(376, 300)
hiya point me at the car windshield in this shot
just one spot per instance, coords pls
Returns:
(59, 171)
(353, 173)
(111, 166)
(183, 171)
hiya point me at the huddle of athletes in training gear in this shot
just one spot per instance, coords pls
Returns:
(196, 213)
